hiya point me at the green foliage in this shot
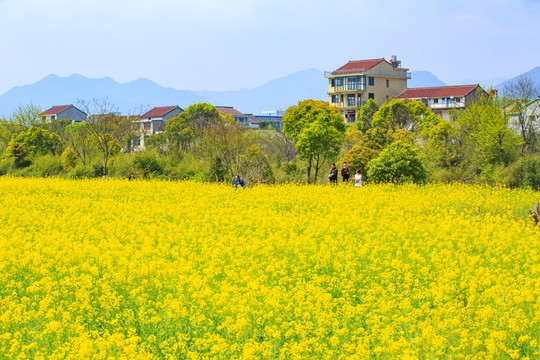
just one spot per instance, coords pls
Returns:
(404, 114)
(525, 172)
(485, 134)
(26, 116)
(18, 153)
(255, 166)
(38, 141)
(147, 165)
(79, 137)
(364, 118)
(317, 129)
(69, 158)
(42, 166)
(376, 139)
(398, 163)
(358, 158)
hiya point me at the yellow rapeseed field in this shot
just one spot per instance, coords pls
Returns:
(96, 269)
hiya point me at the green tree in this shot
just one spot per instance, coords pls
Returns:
(27, 116)
(38, 141)
(484, 134)
(398, 163)
(255, 166)
(69, 158)
(221, 142)
(403, 114)
(79, 137)
(318, 131)
(110, 132)
(358, 158)
(365, 115)
(18, 152)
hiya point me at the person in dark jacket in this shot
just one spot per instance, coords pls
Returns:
(333, 175)
(345, 174)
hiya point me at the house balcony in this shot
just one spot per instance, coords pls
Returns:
(442, 106)
(348, 105)
(348, 87)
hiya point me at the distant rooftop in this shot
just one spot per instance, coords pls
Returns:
(55, 109)
(229, 110)
(437, 91)
(159, 111)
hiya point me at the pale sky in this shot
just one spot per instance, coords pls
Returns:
(236, 44)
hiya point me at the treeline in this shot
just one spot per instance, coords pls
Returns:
(400, 141)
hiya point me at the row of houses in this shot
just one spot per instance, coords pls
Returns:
(153, 121)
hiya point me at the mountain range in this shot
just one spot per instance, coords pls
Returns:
(277, 94)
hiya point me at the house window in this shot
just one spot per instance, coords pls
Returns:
(435, 101)
(371, 80)
(53, 117)
(458, 99)
(338, 81)
(387, 83)
(371, 96)
(147, 126)
(341, 98)
(359, 100)
(351, 100)
(335, 99)
(137, 142)
(350, 117)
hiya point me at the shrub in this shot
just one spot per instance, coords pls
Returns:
(69, 158)
(525, 173)
(398, 163)
(147, 165)
(358, 158)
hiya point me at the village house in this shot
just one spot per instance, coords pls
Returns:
(444, 99)
(241, 119)
(60, 112)
(153, 122)
(353, 84)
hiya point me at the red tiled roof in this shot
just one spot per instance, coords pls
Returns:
(55, 110)
(229, 110)
(360, 65)
(158, 111)
(437, 92)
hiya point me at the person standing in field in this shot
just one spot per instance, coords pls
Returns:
(333, 175)
(358, 179)
(237, 181)
(345, 174)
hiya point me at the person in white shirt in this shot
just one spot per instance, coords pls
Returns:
(358, 179)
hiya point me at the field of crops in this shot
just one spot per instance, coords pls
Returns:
(183, 270)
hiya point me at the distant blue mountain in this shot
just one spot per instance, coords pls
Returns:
(55, 90)
(533, 74)
(423, 79)
(277, 94)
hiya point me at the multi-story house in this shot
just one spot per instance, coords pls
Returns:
(60, 112)
(353, 84)
(153, 122)
(443, 99)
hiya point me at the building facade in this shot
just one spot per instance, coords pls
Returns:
(353, 84)
(153, 122)
(444, 99)
(60, 112)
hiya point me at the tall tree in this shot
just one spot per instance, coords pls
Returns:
(519, 92)
(318, 131)
(111, 132)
